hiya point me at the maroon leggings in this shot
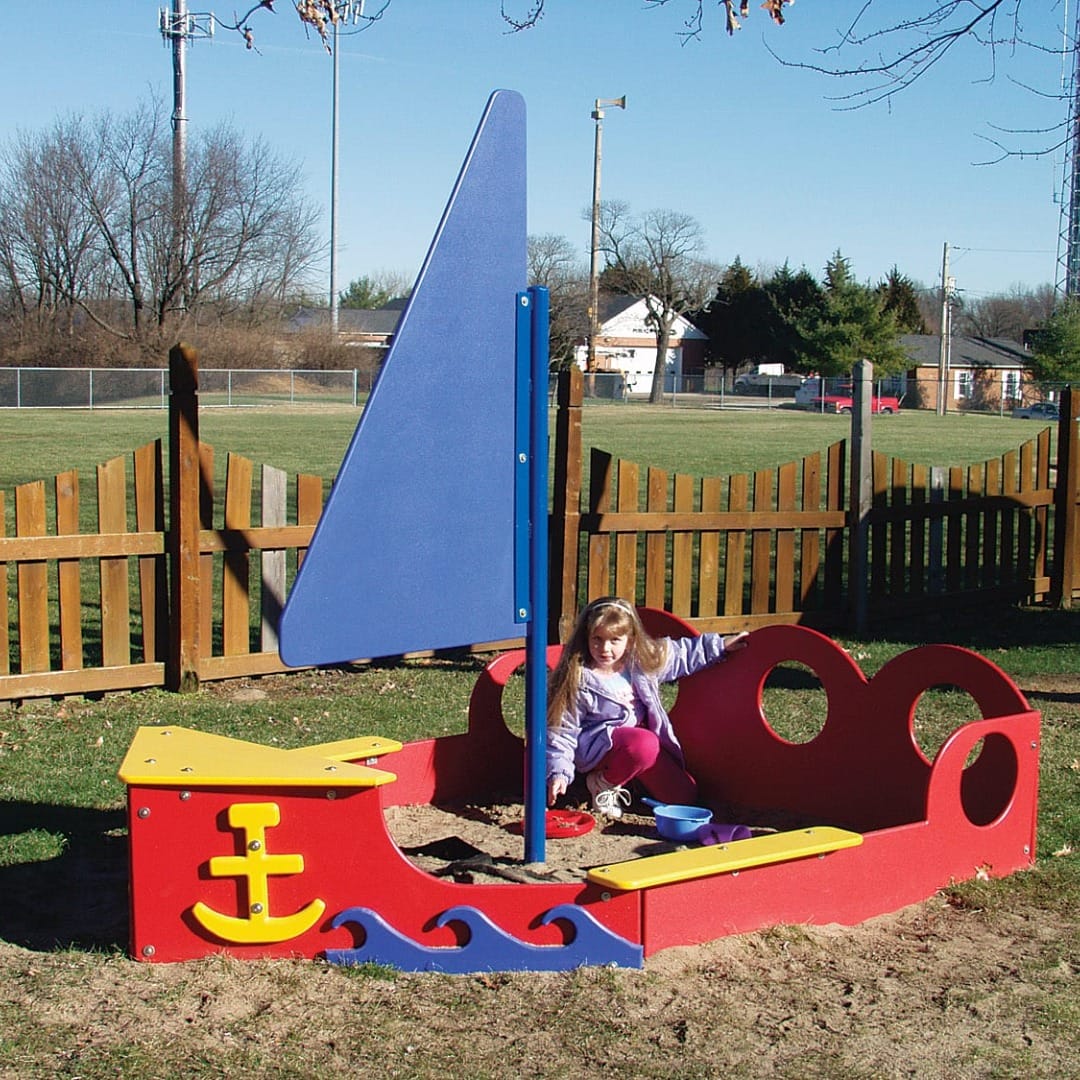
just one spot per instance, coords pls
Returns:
(636, 753)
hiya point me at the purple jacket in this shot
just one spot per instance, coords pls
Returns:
(583, 736)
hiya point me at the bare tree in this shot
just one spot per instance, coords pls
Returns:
(1006, 315)
(250, 235)
(656, 257)
(120, 173)
(46, 255)
(555, 264)
(86, 222)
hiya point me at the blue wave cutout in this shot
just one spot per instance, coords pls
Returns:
(488, 948)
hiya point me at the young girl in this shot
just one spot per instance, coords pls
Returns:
(605, 716)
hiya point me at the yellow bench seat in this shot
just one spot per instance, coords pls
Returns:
(365, 747)
(689, 863)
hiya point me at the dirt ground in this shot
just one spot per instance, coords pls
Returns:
(970, 983)
(483, 843)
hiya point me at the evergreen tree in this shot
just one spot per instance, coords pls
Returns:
(370, 293)
(852, 326)
(796, 301)
(1056, 351)
(737, 319)
(899, 295)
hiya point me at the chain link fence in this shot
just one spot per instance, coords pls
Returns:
(989, 392)
(148, 388)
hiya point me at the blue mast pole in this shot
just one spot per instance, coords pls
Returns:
(531, 536)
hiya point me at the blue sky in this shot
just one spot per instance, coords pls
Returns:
(758, 153)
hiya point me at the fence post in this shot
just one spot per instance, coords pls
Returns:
(862, 493)
(182, 669)
(566, 506)
(1066, 492)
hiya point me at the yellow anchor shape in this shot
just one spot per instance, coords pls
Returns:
(256, 865)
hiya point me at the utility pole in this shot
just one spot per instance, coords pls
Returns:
(594, 254)
(178, 26)
(346, 9)
(943, 352)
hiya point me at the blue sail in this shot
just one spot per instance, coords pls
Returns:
(415, 546)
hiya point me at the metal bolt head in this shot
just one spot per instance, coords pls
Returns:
(148, 950)
(254, 846)
(144, 811)
(256, 909)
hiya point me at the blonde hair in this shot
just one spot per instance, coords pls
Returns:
(615, 615)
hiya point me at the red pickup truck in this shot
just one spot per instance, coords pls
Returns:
(839, 399)
(839, 403)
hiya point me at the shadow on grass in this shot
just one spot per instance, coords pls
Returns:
(79, 898)
(1006, 628)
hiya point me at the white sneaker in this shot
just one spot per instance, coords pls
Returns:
(606, 796)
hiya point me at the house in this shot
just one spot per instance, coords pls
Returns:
(627, 345)
(356, 326)
(981, 373)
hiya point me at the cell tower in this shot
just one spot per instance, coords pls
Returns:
(1068, 282)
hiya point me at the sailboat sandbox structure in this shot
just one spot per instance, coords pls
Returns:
(258, 852)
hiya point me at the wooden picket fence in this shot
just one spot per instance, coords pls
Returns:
(180, 583)
(105, 625)
(137, 604)
(836, 539)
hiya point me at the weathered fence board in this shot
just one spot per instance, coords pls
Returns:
(5, 642)
(69, 574)
(153, 579)
(272, 597)
(33, 582)
(235, 583)
(115, 596)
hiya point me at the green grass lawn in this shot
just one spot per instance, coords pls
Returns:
(61, 802)
(36, 445)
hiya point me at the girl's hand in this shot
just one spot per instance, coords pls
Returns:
(556, 787)
(735, 642)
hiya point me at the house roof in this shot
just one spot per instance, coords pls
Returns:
(612, 305)
(625, 316)
(965, 352)
(380, 322)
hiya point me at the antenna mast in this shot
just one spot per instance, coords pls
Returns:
(1068, 278)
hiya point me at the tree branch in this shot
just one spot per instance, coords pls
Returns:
(937, 31)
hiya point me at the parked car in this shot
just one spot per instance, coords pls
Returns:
(1040, 410)
(768, 385)
(841, 400)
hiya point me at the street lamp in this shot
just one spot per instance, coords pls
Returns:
(594, 271)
